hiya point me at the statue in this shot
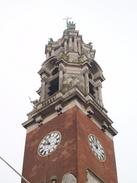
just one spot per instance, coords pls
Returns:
(70, 25)
(34, 102)
(50, 40)
(90, 44)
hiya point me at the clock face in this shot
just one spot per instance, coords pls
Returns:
(49, 143)
(96, 147)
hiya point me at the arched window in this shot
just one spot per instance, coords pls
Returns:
(91, 89)
(69, 178)
(92, 178)
(55, 71)
(53, 86)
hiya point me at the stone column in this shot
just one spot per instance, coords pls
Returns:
(61, 69)
(99, 86)
(85, 72)
(79, 46)
(65, 46)
(47, 55)
(52, 52)
(43, 87)
(70, 44)
(75, 44)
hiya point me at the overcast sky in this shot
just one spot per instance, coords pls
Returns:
(25, 26)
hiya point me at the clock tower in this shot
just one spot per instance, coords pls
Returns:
(69, 134)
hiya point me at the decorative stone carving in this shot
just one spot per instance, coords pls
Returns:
(50, 40)
(69, 178)
(53, 179)
(104, 126)
(82, 59)
(90, 112)
(63, 56)
(39, 119)
(58, 109)
(34, 102)
(71, 55)
(70, 25)
(90, 44)
(71, 80)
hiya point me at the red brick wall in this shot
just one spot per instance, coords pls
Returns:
(62, 160)
(86, 159)
(72, 155)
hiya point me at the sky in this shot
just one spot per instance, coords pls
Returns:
(25, 27)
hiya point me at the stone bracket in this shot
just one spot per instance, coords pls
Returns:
(53, 179)
(104, 126)
(58, 109)
(90, 112)
(39, 120)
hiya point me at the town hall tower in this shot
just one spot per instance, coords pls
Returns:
(69, 134)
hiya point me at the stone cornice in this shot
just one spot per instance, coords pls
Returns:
(48, 107)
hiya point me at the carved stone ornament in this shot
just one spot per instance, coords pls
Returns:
(82, 59)
(70, 25)
(58, 109)
(53, 179)
(72, 80)
(63, 56)
(69, 178)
